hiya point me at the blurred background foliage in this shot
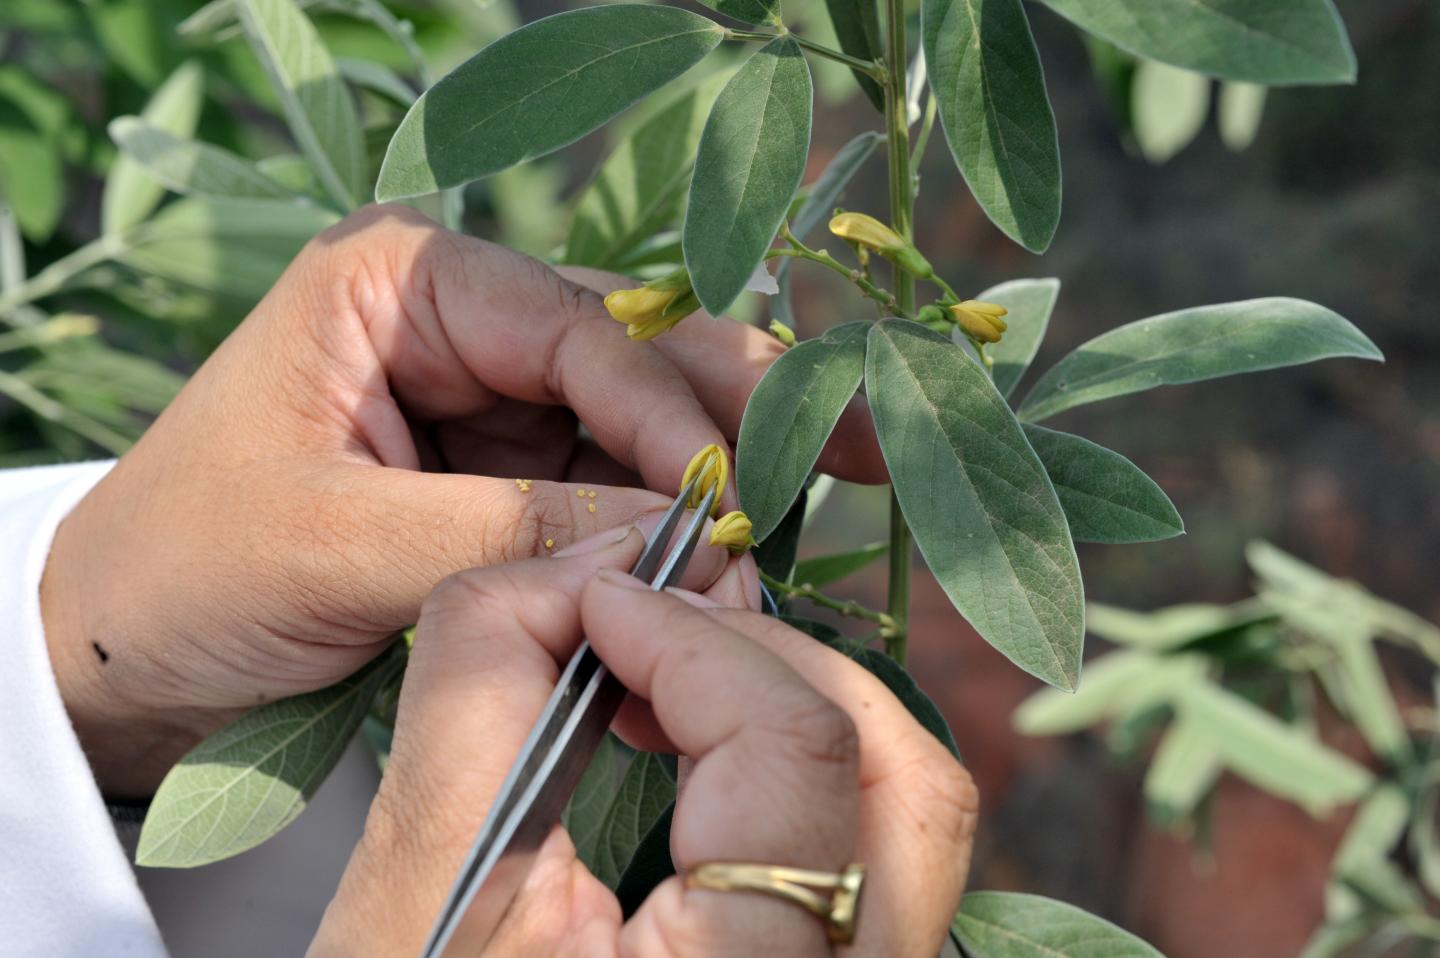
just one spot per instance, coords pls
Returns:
(1179, 191)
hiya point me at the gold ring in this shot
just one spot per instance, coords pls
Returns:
(832, 897)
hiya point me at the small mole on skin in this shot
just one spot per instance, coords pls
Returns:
(100, 651)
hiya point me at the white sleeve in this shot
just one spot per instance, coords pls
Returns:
(66, 887)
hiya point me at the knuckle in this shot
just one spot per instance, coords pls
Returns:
(938, 794)
(547, 515)
(821, 732)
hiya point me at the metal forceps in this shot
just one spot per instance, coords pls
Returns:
(551, 762)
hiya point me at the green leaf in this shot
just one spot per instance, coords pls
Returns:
(1187, 346)
(537, 89)
(817, 206)
(1116, 684)
(234, 247)
(649, 866)
(775, 555)
(641, 186)
(857, 28)
(990, 89)
(1173, 627)
(1168, 107)
(32, 181)
(645, 792)
(790, 415)
(751, 158)
(992, 924)
(1242, 105)
(1363, 858)
(131, 193)
(1276, 757)
(1275, 42)
(252, 778)
(977, 498)
(377, 78)
(585, 815)
(187, 166)
(1105, 496)
(823, 570)
(1184, 769)
(748, 11)
(1030, 302)
(317, 105)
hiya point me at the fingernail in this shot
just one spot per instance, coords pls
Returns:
(693, 598)
(598, 542)
(621, 580)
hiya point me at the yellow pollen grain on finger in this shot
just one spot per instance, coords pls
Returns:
(580, 493)
(592, 507)
(549, 543)
(592, 493)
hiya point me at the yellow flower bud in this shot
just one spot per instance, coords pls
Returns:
(655, 307)
(980, 319)
(866, 231)
(713, 467)
(782, 332)
(732, 531)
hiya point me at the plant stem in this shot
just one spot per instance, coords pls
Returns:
(902, 199)
(843, 606)
(58, 274)
(868, 67)
(799, 250)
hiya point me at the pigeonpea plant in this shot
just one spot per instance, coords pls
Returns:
(699, 199)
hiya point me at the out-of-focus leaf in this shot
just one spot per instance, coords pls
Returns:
(1030, 302)
(823, 570)
(750, 161)
(537, 89)
(857, 28)
(789, 417)
(977, 498)
(640, 189)
(378, 78)
(992, 924)
(136, 36)
(1112, 685)
(1274, 42)
(986, 76)
(188, 166)
(131, 193)
(1168, 107)
(1173, 627)
(1362, 869)
(1241, 107)
(649, 866)
(585, 815)
(1184, 769)
(252, 778)
(1270, 754)
(31, 177)
(645, 792)
(1105, 496)
(1194, 344)
(318, 107)
(235, 247)
(775, 556)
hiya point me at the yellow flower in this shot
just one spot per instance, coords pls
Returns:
(713, 467)
(980, 319)
(868, 232)
(732, 531)
(654, 307)
(784, 333)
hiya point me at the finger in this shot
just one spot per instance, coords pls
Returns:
(775, 777)
(460, 320)
(364, 546)
(918, 807)
(723, 388)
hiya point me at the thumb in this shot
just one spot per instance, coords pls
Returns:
(403, 532)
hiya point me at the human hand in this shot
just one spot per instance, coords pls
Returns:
(287, 514)
(802, 758)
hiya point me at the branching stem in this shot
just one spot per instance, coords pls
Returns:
(848, 607)
(868, 67)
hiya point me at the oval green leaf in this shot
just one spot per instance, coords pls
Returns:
(188, 166)
(1030, 302)
(1195, 344)
(537, 89)
(318, 106)
(1168, 108)
(645, 792)
(748, 11)
(992, 924)
(1184, 769)
(978, 500)
(131, 193)
(1105, 496)
(641, 186)
(790, 415)
(857, 28)
(1274, 42)
(823, 570)
(752, 156)
(252, 778)
(990, 89)
(1242, 106)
